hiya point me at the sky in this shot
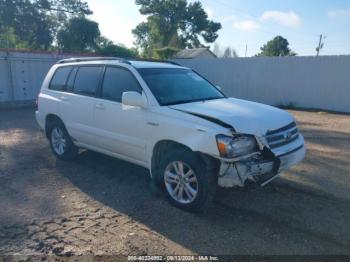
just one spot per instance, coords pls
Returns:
(248, 23)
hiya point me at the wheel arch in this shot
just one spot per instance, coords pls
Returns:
(49, 120)
(162, 146)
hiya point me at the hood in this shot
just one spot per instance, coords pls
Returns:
(244, 116)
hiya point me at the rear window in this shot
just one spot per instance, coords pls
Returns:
(59, 79)
(87, 80)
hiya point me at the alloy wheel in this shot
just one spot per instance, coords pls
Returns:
(181, 182)
(58, 141)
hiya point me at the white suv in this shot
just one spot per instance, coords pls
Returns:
(169, 119)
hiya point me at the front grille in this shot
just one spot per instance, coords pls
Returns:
(282, 136)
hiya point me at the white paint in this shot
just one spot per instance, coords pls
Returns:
(22, 73)
(245, 116)
(132, 132)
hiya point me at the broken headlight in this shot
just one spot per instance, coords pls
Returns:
(237, 146)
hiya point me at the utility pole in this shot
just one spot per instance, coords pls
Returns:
(246, 50)
(320, 45)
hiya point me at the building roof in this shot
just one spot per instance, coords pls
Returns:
(194, 52)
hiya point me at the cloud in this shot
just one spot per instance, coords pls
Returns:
(209, 12)
(340, 13)
(289, 19)
(229, 18)
(246, 25)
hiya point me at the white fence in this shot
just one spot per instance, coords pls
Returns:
(305, 82)
(22, 73)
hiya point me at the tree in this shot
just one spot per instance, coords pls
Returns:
(26, 22)
(8, 39)
(173, 23)
(166, 52)
(217, 50)
(107, 48)
(36, 22)
(59, 12)
(278, 46)
(80, 34)
(228, 52)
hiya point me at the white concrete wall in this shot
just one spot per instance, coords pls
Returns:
(306, 82)
(22, 73)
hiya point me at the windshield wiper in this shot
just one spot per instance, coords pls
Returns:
(211, 98)
(179, 102)
(191, 101)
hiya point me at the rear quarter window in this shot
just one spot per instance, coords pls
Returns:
(59, 79)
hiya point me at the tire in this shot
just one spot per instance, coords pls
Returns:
(61, 143)
(203, 182)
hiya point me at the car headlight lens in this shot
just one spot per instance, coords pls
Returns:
(232, 147)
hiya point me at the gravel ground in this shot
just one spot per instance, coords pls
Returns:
(102, 206)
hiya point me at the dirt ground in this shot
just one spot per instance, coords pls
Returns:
(100, 205)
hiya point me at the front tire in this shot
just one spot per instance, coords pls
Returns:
(61, 143)
(188, 183)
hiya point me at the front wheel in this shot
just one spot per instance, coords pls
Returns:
(188, 183)
(61, 143)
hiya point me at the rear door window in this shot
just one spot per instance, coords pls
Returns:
(87, 80)
(59, 79)
(116, 82)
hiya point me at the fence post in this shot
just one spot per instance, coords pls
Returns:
(10, 75)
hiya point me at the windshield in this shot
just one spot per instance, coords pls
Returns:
(173, 86)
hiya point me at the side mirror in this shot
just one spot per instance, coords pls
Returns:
(219, 87)
(134, 99)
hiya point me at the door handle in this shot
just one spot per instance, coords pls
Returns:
(63, 98)
(100, 106)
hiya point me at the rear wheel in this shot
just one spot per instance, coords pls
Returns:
(188, 183)
(61, 143)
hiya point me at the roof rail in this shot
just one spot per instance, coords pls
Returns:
(122, 60)
(88, 59)
(155, 60)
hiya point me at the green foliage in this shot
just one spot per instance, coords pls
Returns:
(229, 52)
(36, 22)
(173, 23)
(108, 48)
(64, 6)
(80, 34)
(59, 12)
(226, 52)
(28, 24)
(278, 46)
(166, 52)
(8, 39)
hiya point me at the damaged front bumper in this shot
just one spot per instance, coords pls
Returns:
(261, 168)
